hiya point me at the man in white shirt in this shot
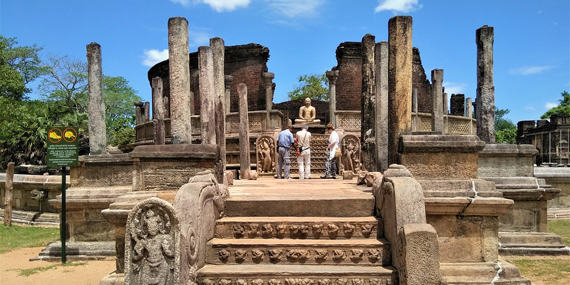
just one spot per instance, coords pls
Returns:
(303, 138)
(330, 166)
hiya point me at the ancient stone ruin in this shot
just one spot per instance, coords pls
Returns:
(435, 201)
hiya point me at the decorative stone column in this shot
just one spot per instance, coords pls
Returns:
(437, 112)
(218, 55)
(244, 155)
(228, 81)
(399, 81)
(368, 104)
(485, 89)
(469, 113)
(381, 59)
(332, 76)
(445, 103)
(415, 117)
(268, 80)
(158, 111)
(179, 76)
(207, 95)
(96, 106)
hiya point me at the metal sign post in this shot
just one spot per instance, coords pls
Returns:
(62, 150)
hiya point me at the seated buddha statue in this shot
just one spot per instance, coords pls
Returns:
(307, 114)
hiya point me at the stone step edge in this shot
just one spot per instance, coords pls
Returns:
(246, 242)
(273, 219)
(297, 270)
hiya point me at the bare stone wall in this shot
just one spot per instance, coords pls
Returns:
(349, 82)
(246, 63)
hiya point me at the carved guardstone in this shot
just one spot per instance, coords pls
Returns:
(265, 154)
(351, 154)
(152, 238)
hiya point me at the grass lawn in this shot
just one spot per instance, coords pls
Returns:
(25, 236)
(547, 270)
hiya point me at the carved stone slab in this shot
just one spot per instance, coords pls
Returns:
(266, 161)
(152, 238)
(351, 154)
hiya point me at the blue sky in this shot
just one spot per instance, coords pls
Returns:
(531, 51)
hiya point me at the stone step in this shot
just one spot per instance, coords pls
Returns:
(297, 227)
(302, 198)
(531, 244)
(295, 275)
(362, 252)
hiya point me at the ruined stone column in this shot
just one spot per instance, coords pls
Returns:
(218, 55)
(96, 106)
(415, 116)
(138, 113)
(207, 95)
(228, 80)
(9, 184)
(469, 113)
(158, 111)
(268, 78)
(445, 102)
(244, 155)
(332, 76)
(436, 90)
(485, 89)
(368, 104)
(399, 81)
(381, 130)
(179, 76)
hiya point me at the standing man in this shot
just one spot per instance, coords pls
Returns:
(304, 158)
(330, 166)
(284, 142)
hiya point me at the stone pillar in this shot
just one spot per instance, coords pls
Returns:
(399, 81)
(381, 59)
(457, 105)
(228, 80)
(207, 95)
(268, 78)
(445, 103)
(485, 89)
(469, 113)
(138, 113)
(96, 106)
(179, 76)
(332, 76)
(158, 111)
(244, 155)
(218, 55)
(415, 116)
(146, 111)
(9, 184)
(368, 104)
(436, 90)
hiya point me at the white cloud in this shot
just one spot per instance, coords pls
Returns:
(529, 108)
(218, 5)
(198, 37)
(528, 70)
(453, 88)
(549, 105)
(404, 6)
(154, 56)
(295, 8)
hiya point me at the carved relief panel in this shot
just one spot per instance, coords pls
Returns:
(265, 154)
(152, 253)
(350, 149)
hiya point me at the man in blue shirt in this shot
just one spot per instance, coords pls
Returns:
(284, 142)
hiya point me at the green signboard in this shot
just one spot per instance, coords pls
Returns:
(62, 147)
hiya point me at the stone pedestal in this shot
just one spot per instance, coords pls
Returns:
(522, 230)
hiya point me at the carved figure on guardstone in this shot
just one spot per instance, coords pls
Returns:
(265, 154)
(350, 153)
(152, 244)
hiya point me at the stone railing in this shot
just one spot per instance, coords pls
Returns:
(257, 123)
(349, 121)
(452, 125)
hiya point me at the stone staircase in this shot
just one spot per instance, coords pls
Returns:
(319, 153)
(333, 241)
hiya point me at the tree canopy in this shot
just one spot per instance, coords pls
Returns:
(19, 65)
(505, 130)
(315, 87)
(562, 109)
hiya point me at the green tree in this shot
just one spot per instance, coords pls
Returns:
(562, 109)
(315, 87)
(505, 130)
(19, 65)
(66, 90)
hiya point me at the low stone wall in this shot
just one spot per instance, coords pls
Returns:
(23, 187)
(557, 177)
